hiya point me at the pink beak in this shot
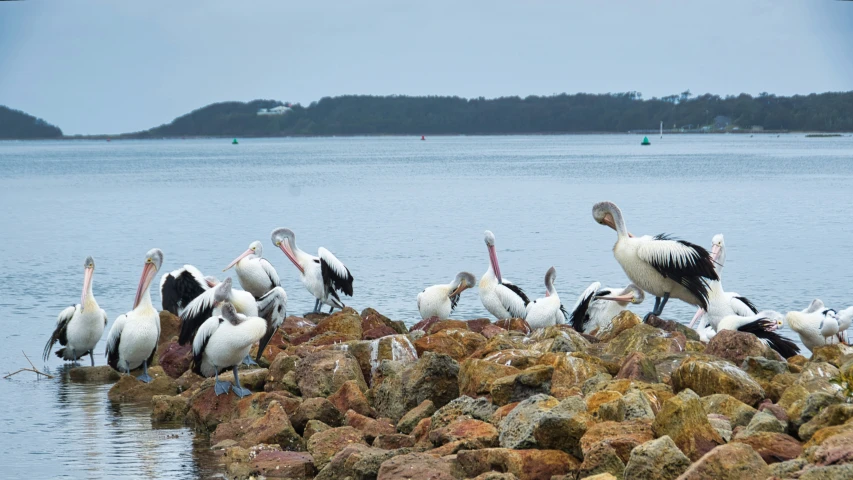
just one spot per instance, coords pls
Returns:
(715, 252)
(628, 297)
(148, 272)
(242, 256)
(87, 284)
(696, 317)
(285, 247)
(493, 257)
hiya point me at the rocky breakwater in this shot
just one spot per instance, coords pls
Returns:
(360, 396)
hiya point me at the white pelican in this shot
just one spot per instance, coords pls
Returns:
(79, 327)
(257, 275)
(133, 337)
(597, 306)
(763, 325)
(500, 297)
(845, 318)
(811, 323)
(546, 311)
(440, 300)
(222, 342)
(179, 287)
(323, 275)
(659, 265)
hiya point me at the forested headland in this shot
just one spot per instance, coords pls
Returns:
(18, 125)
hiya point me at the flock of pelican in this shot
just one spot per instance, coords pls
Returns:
(222, 323)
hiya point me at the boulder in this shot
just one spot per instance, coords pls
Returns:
(403, 387)
(544, 422)
(673, 326)
(514, 325)
(658, 459)
(370, 354)
(356, 461)
(129, 389)
(394, 441)
(265, 462)
(476, 376)
(722, 425)
(408, 422)
(378, 332)
(345, 323)
(764, 422)
(647, 340)
(273, 428)
(478, 324)
(456, 343)
(421, 433)
(634, 405)
(474, 433)
(734, 461)
(350, 397)
(835, 354)
(325, 444)
(322, 373)
(169, 408)
(313, 427)
(256, 405)
(170, 326)
(832, 415)
(253, 379)
(737, 412)
(833, 472)
(415, 466)
(295, 326)
(496, 476)
(834, 449)
(637, 366)
(446, 325)
(519, 386)
(490, 331)
(317, 408)
(571, 370)
(207, 410)
(802, 406)
(824, 433)
(595, 400)
(557, 339)
(711, 377)
(763, 369)
(601, 458)
(100, 374)
(370, 319)
(737, 346)
(773, 447)
(189, 381)
(624, 321)
(524, 464)
(685, 421)
(502, 412)
(370, 428)
(514, 357)
(278, 370)
(622, 436)
(786, 469)
(466, 407)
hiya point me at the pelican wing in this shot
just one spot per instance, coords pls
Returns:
(579, 314)
(683, 262)
(270, 271)
(114, 339)
(845, 317)
(763, 328)
(742, 306)
(195, 314)
(334, 272)
(205, 331)
(179, 287)
(513, 299)
(272, 307)
(60, 332)
(104, 314)
(817, 304)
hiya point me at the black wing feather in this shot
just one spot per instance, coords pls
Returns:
(518, 291)
(191, 324)
(749, 304)
(694, 275)
(178, 292)
(59, 334)
(112, 355)
(763, 329)
(196, 366)
(580, 315)
(331, 278)
(454, 299)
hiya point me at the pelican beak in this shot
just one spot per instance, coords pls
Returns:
(87, 284)
(608, 220)
(284, 245)
(148, 272)
(461, 288)
(242, 256)
(626, 298)
(696, 317)
(493, 257)
(715, 252)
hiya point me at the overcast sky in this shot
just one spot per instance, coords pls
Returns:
(113, 66)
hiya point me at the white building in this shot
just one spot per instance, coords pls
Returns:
(279, 110)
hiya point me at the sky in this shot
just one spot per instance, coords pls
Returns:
(110, 67)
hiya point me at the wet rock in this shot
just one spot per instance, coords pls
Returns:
(737, 412)
(273, 428)
(403, 387)
(356, 462)
(624, 321)
(722, 425)
(711, 377)
(474, 433)
(835, 354)
(370, 428)
(637, 367)
(685, 421)
(524, 464)
(207, 410)
(394, 441)
(773, 446)
(129, 389)
(622, 436)
(514, 325)
(101, 374)
(832, 415)
(271, 463)
(424, 410)
(544, 422)
(466, 407)
(316, 409)
(189, 381)
(673, 326)
(350, 397)
(601, 458)
(735, 461)
(522, 385)
(476, 376)
(169, 408)
(324, 445)
(737, 346)
(658, 459)
(764, 422)
(647, 340)
(281, 366)
(312, 427)
(322, 373)
(346, 322)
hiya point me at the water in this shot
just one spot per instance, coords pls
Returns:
(402, 214)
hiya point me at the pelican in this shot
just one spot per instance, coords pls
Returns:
(79, 327)
(323, 275)
(257, 275)
(659, 265)
(440, 300)
(845, 318)
(811, 324)
(222, 342)
(133, 337)
(597, 306)
(763, 325)
(179, 287)
(500, 297)
(546, 311)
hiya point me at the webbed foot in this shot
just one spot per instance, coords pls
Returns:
(221, 388)
(241, 392)
(249, 361)
(145, 378)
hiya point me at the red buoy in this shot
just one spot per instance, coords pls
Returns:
(423, 138)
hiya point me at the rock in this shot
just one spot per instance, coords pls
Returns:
(393, 441)
(711, 377)
(595, 400)
(256, 405)
(722, 425)
(356, 461)
(737, 412)
(637, 367)
(647, 340)
(634, 405)
(658, 459)
(773, 447)
(175, 359)
(502, 412)
(832, 450)
(467, 407)
(475, 434)
(832, 415)
(802, 406)
(189, 381)
(346, 322)
(624, 321)
(170, 326)
(786, 469)
(316, 409)
(764, 422)
(370, 354)
(763, 369)
(129, 389)
(776, 410)
(495, 476)
(281, 366)
(737, 346)
(835, 354)
(370, 318)
(350, 397)
(273, 428)
(735, 461)
(571, 370)
(544, 422)
(322, 373)
(834, 472)
(379, 332)
(295, 326)
(207, 410)
(478, 324)
(685, 421)
(274, 464)
(476, 376)
(403, 387)
(421, 433)
(490, 331)
(557, 339)
(522, 385)
(424, 410)
(818, 374)
(457, 343)
(370, 428)
(599, 459)
(169, 408)
(622, 436)
(673, 326)
(253, 379)
(101, 374)
(524, 464)
(446, 325)
(415, 466)
(514, 357)
(514, 325)
(824, 433)
(600, 476)
(313, 427)
(325, 444)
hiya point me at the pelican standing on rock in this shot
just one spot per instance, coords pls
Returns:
(845, 318)
(222, 342)
(763, 325)
(133, 337)
(659, 265)
(440, 300)
(597, 306)
(323, 275)
(811, 324)
(79, 327)
(500, 297)
(257, 275)
(546, 311)
(179, 287)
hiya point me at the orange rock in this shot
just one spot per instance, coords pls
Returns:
(370, 428)
(350, 397)
(346, 322)
(324, 445)
(622, 436)
(514, 324)
(502, 412)
(599, 398)
(773, 447)
(524, 464)
(476, 376)
(273, 428)
(475, 433)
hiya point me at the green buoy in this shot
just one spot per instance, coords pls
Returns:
(234, 142)
(645, 141)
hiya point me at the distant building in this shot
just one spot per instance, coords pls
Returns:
(279, 110)
(721, 122)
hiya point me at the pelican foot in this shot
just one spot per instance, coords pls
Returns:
(145, 378)
(241, 392)
(646, 318)
(249, 361)
(221, 388)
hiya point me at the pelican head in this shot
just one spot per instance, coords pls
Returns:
(255, 248)
(285, 239)
(229, 313)
(776, 318)
(211, 281)
(153, 261)
(607, 213)
(550, 277)
(630, 294)
(222, 292)
(462, 282)
(493, 256)
(89, 270)
(717, 247)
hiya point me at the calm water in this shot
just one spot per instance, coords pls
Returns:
(402, 214)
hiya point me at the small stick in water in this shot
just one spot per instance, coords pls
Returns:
(34, 369)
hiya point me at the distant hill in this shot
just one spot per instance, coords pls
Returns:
(619, 112)
(15, 124)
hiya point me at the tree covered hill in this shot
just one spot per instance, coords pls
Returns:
(619, 112)
(18, 125)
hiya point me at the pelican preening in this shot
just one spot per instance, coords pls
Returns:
(79, 327)
(222, 342)
(659, 265)
(323, 275)
(597, 306)
(440, 300)
(546, 311)
(500, 297)
(257, 275)
(133, 337)
(763, 325)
